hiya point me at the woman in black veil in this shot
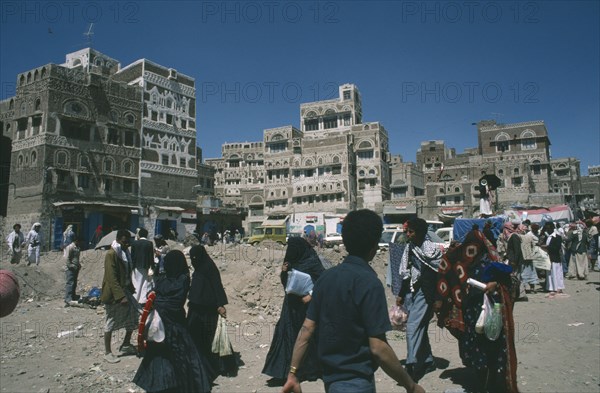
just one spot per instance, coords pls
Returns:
(173, 365)
(207, 301)
(299, 256)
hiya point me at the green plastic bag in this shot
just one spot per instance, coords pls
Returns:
(493, 322)
(221, 343)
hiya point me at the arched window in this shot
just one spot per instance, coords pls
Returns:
(528, 141)
(33, 157)
(29, 77)
(61, 158)
(127, 167)
(109, 164)
(502, 142)
(536, 167)
(36, 75)
(22, 80)
(44, 72)
(516, 171)
(38, 104)
(20, 161)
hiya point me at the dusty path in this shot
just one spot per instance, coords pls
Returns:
(553, 356)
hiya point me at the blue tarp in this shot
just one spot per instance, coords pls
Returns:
(462, 226)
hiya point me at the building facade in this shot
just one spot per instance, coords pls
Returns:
(518, 154)
(83, 151)
(333, 164)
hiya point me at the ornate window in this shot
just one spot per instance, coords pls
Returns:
(528, 141)
(61, 158)
(33, 157)
(536, 167)
(38, 104)
(128, 167)
(502, 142)
(109, 165)
(130, 118)
(75, 108)
(84, 162)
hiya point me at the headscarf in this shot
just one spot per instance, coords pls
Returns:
(296, 248)
(207, 288)
(124, 255)
(453, 275)
(172, 289)
(302, 257)
(66, 232)
(508, 230)
(176, 264)
(428, 254)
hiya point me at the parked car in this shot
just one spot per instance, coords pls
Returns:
(274, 233)
(389, 236)
(332, 239)
(395, 236)
(446, 234)
(293, 234)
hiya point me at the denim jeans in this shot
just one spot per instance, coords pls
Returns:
(71, 284)
(355, 385)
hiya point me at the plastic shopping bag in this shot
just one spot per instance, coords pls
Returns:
(486, 309)
(155, 330)
(221, 343)
(298, 283)
(493, 322)
(398, 317)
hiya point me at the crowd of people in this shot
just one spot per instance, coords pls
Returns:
(334, 331)
(142, 277)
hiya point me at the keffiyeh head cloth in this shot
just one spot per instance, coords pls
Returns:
(428, 255)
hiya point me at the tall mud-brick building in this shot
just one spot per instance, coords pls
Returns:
(308, 178)
(81, 152)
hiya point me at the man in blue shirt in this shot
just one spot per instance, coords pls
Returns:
(349, 307)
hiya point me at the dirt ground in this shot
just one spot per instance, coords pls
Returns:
(557, 340)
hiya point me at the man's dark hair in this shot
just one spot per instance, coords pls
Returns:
(143, 232)
(418, 225)
(17, 225)
(123, 233)
(361, 231)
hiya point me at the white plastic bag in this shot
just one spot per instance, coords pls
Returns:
(541, 259)
(486, 309)
(155, 330)
(298, 283)
(221, 343)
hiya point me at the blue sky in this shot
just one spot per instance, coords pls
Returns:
(426, 70)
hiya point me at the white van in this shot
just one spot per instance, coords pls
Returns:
(389, 236)
(447, 235)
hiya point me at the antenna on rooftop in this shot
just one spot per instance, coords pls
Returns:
(496, 116)
(88, 35)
